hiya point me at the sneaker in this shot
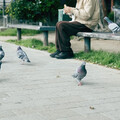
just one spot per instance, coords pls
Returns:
(64, 55)
(55, 53)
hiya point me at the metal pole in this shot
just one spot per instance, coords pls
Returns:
(3, 7)
(87, 44)
(4, 19)
(18, 33)
(45, 38)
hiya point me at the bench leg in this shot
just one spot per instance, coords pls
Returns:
(87, 44)
(45, 43)
(18, 33)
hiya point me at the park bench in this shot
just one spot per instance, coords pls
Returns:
(44, 29)
(88, 35)
(99, 35)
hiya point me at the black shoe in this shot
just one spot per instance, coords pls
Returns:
(55, 53)
(64, 55)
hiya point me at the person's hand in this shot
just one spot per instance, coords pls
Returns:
(67, 9)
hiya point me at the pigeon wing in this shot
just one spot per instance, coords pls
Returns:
(20, 54)
(81, 73)
(75, 74)
(25, 58)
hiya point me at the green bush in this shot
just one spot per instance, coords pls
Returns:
(34, 10)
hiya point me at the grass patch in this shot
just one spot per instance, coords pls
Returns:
(111, 60)
(30, 32)
(9, 32)
(13, 32)
(34, 43)
(107, 59)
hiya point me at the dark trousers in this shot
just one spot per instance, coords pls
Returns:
(65, 29)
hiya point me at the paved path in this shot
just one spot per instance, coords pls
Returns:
(45, 89)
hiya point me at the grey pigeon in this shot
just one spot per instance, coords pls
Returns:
(80, 73)
(2, 53)
(112, 26)
(0, 64)
(22, 55)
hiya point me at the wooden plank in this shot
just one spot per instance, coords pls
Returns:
(32, 27)
(24, 26)
(47, 28)
(106, 36)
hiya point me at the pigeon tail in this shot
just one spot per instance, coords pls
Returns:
(28, 60)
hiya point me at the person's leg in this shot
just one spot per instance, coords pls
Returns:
(58, 37)
(56, 41)
(64, 29)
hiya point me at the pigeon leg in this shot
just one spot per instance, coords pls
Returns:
(79, 84)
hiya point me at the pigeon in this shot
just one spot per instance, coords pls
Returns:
(2, 53)
(80, 73)
(112, 26)
(0, 64)
(22, 55)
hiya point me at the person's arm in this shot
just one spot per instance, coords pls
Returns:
(86, 12)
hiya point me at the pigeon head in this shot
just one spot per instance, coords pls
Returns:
(83, 63)
(19, 48)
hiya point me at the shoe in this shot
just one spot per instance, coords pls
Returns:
(64, 55)
(55, 53)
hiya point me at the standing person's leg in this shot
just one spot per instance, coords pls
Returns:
(64, 30)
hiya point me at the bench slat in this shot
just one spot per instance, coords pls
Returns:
(47, 28)
(32, 27)
(23, 26)
(106, 36)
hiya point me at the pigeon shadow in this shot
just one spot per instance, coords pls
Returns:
(28, 64)
(3, 80)
(89, 83)
(7, 62)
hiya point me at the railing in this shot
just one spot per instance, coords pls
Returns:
(6, 3)
(3, 17)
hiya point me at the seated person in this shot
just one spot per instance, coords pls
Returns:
(86, 17)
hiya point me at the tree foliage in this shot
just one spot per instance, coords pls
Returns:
(34, 10)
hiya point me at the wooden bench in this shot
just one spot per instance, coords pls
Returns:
(45, 30)
(100, 35)
(88, 35)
